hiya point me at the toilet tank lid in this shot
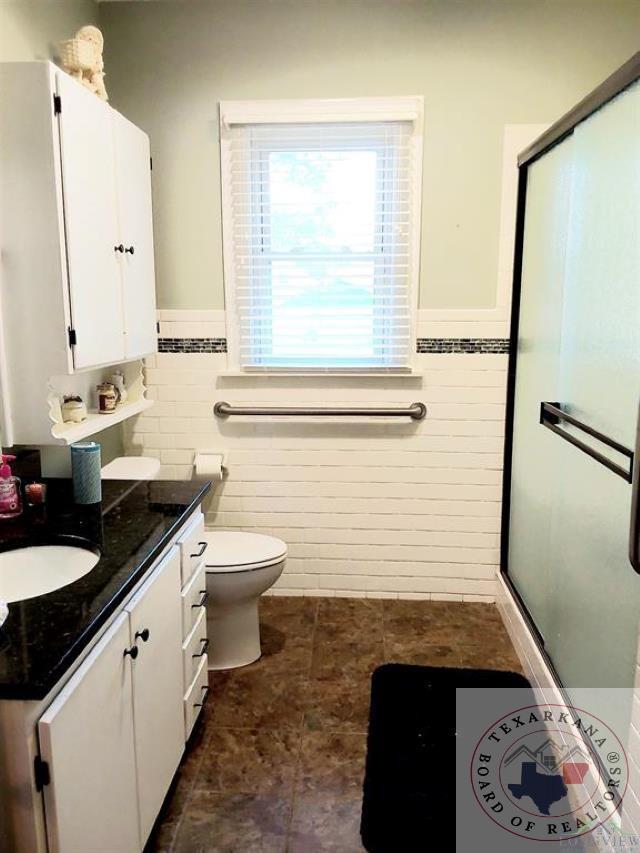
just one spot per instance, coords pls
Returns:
(237, 548)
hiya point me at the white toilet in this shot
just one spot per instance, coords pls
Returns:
(240, 567)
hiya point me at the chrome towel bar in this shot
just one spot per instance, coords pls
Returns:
(416, 411)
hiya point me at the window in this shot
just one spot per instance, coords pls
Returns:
(321, 205)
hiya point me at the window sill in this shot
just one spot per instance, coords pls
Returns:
(292, 374)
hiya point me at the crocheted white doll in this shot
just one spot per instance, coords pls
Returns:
(82, 58)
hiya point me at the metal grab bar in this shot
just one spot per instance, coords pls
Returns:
(416, 411)
(551, 415)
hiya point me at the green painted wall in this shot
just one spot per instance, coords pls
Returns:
(31, 29)
(480, 64)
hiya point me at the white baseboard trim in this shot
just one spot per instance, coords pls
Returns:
(545, 686)
(533, 663)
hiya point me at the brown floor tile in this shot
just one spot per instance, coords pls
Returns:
(234, 823)
(322, 822)
(349, 620)
(284, 652)
(296, 720)
(415, 651)
(401, 609)
(280, 610)
(479, 658)
(350, 609)
(490, 643)
(483, 613)
(332, 763)
(168, 821)
(338, 706)
(256, 699)
(336, 660)
(249, 761)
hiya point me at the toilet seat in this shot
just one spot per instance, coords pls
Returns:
(237, 551)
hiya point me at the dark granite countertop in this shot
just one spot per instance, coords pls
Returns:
(42, 636)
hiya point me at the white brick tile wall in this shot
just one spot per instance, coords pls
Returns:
(369, 508)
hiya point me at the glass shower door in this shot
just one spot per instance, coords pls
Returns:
(535, 456)
(595, 593)
(579, 347)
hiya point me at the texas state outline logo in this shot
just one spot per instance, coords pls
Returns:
(549, 772)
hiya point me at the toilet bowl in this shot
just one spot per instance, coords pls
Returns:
(239, 567)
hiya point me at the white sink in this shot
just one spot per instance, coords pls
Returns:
(38, 569)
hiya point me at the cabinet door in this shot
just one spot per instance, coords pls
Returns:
(133, 180)
(157, 686)
(87, 738)
(88, 180)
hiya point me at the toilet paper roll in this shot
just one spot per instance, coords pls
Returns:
(208, 466)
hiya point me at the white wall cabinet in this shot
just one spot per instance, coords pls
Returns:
(78, 281)
(114, 736)
(135, 235)
(91, 225)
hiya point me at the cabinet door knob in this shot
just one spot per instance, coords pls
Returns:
(144, 635)
(129, 250)
(118, 248)
(203, 548)
(133, 651)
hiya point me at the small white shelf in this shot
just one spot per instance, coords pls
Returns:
(68, 433)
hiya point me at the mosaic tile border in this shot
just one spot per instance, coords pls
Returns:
(192, 345)
(490, 346)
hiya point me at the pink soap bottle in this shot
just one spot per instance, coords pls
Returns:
(10, 497)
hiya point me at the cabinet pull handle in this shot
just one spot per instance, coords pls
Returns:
(129, 250)
(203, 650)
(203, 600)
(144, 635)
(133, 651)
(118, 248)
(205, 693)
(203, 548)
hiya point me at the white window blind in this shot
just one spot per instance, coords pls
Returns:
(320, 243)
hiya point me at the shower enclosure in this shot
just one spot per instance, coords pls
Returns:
(570, 534)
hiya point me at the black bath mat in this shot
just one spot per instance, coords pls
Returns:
(409, 785)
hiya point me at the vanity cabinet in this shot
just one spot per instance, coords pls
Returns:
(78, 283)
(87, 740)
(114, 735)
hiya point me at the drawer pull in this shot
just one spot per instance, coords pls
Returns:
(203, 600)
(203, 650)
(203, 548)
(133, 651)
(205, 693)
(144, 635)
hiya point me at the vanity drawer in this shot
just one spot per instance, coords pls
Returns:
(194, 600)
(195, 697)
(194, 648)
(192, 546)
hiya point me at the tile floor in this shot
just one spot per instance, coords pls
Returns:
(276, 763)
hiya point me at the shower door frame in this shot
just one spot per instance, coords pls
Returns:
(615, 84)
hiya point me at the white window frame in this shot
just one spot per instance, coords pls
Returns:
(402, 108)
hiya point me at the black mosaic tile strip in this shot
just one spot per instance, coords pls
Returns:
(490, 346)
(192, 344)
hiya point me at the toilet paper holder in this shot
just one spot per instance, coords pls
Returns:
(207, 463)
